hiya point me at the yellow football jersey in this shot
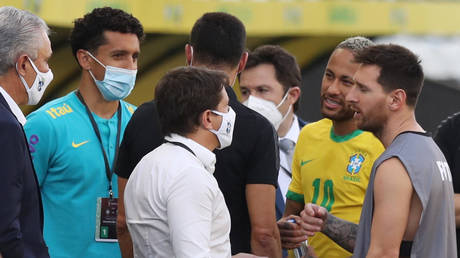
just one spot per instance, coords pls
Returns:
(332, 171)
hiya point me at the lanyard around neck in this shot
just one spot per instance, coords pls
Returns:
(181, 145)
(108, 171)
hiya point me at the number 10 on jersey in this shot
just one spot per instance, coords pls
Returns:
(328, 190)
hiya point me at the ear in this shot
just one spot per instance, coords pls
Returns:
(294, 94)
(206, 121)
(188, 54)
(84, 59)
(397, 98)
(22, 65)
(243, 61)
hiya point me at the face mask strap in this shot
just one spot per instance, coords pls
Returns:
(223, 115)
(234, 80)
(92, 75)
(24, 83)
(91, 55)
(221, 123)
(218, 113)
(284, 98)
(191, 59)
(33, 66)
(191, 52)
(285, 115)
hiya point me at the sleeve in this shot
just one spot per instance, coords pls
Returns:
(123, 164)
(446, 137)
(295, 191)
(11, 188)
(264, 162)
(189, 209)
(142, 135)
(42, 140)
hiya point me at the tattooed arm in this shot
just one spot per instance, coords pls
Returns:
(317, 219)
(341, 231)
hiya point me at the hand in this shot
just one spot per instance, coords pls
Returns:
(292, 234)
(313, 218)
(245, 255)
(310, 253)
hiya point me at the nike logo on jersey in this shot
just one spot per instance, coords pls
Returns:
(302, 163)
(76, 145)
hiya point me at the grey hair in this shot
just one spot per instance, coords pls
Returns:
(355, 44)
(20, 33)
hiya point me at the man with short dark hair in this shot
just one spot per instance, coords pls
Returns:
(74, 139)
(270, 84)
(333, 158)
(246, 171)
(409, 208)
(24, 75)
(176, 178)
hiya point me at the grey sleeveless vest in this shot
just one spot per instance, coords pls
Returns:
(432, 181)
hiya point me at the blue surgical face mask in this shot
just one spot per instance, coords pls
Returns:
(117, 82)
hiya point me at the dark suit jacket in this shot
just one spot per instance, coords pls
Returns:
(280, 205)
(21, 213)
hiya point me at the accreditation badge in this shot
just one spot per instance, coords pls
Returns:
(106, 219)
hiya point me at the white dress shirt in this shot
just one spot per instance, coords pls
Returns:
(14, 107)
(174, 207)
(284, 177)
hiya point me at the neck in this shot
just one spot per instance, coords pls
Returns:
(286, 125)
(204, 138)
(11, 83)
(344, 127)
(403, 122)
(230, 72)
(93, 98)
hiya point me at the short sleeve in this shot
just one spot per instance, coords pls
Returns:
(295, 191)
(42, 142)
(446, 137)
(142, 135)
(264, 162)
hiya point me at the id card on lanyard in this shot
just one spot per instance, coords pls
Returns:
(107, 208)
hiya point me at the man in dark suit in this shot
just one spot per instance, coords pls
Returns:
(270, 85)
(24, 76)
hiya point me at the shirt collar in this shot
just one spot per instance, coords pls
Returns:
(205, 156)
(294, 131)
(14, 107)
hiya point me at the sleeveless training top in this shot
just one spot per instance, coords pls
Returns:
(432, 181)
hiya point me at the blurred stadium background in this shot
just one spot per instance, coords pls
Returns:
(308, 29)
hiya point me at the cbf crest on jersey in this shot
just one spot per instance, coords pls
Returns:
(356, 161)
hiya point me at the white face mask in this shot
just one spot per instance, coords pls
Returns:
(41, 82)
(225, 132)
(268, 109)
